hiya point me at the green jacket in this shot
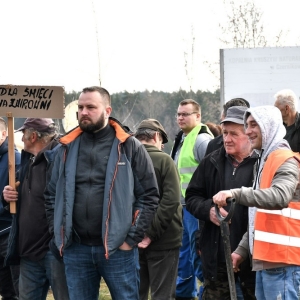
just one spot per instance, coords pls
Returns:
(165, 230)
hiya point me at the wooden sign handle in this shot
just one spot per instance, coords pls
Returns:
(11, 159)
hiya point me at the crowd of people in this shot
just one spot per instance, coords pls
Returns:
(103, 202)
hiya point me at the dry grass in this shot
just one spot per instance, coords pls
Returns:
(104, 293)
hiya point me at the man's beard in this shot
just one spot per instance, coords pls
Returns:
(92, 127)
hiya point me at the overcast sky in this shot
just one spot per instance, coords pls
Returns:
(141, 44)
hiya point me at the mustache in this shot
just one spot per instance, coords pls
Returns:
(84, 118)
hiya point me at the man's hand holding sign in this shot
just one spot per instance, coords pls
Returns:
(25, 102)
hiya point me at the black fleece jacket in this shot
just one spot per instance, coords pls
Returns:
(207, 180)
(293, 134)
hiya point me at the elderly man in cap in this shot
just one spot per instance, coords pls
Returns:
(217, 142)
(29, 237)
(159, 250)
(229, 167)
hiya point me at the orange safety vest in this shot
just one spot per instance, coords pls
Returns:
(277, 232)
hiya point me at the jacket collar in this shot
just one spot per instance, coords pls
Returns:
(121, 132)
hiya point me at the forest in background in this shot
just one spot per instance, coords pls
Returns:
(242, 27)
(131, 108)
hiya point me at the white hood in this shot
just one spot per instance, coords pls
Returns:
(270, 122)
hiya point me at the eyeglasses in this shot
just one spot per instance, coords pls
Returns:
(184, 115)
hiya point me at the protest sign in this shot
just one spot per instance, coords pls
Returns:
(21, 101)
(32, 101)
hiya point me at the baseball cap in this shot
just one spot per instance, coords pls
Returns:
(40, 125)
(154, 125)
(235, 114)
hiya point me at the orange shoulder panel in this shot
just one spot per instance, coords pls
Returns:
(120, 133)
(71, 136)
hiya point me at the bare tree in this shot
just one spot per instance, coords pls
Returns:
(125, 120)
(189, 58)
(97, 39)
(244, 27)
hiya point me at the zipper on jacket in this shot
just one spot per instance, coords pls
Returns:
(237, 166)
(233, 172)
(62, 231)
(109, 202)
(136, 214)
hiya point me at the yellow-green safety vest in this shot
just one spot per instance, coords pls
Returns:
(187, 163)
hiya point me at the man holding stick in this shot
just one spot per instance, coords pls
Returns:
(9, 275)
(273, 233)
(30, 236)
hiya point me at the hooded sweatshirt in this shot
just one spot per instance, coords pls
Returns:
(284, 183)
(272, 129)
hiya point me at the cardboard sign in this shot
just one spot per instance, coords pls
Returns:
(21, 101)
(32, 101)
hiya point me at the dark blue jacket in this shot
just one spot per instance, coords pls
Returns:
(5, 216)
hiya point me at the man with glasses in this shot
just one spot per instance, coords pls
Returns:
(188, 150)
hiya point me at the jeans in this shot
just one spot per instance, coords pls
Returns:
(189, 268)
(86, 265)
(37, 276)
(278, 283)
(9, 276)
(158, 273)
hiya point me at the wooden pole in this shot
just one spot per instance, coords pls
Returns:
(11, 158)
